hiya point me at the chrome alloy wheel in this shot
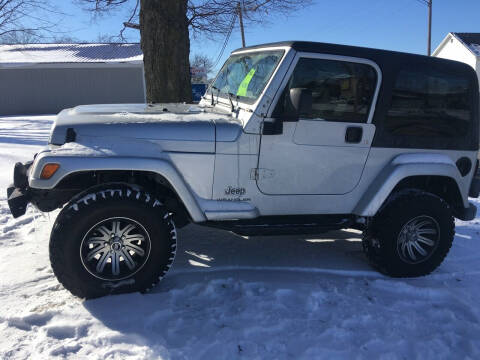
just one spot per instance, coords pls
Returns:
(418, 239)
(115, 248)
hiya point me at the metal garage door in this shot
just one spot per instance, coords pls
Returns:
(49, 90)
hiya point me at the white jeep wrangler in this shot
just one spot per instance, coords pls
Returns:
(291, 137)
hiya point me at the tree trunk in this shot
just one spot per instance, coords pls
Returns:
(166, 49)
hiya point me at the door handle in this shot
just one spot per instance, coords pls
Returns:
(354, 134)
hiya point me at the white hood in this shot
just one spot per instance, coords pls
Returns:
(170, 122)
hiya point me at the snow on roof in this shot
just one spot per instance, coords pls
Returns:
(471, 41)
(70, 53)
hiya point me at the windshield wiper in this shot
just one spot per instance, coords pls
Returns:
(211, 92)
(230, 96)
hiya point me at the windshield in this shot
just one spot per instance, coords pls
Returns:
(245, 75)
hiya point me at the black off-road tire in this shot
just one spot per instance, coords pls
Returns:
(380, 239)
(111, 201)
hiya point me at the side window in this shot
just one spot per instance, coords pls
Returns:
(341, 91)
(430, 103)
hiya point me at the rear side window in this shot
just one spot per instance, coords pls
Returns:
(341, 91)
(430, 103)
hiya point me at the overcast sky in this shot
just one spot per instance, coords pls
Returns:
(388, 24)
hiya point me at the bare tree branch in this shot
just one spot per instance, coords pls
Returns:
(212, 17)
(22, 20)
(102, 5)
(133, 14)
(208, 17)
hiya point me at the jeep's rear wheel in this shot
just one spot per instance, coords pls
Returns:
(112, 239)
(411, 235)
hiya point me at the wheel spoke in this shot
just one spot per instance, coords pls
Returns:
(104, 231)
(126, 230)
(128, 259)
(96, 251)
(102, 238)
(134, 238)
(95, 241)
(410, 252)
(102, 261)
(427, 232)
(421, 250)
(138, 250)
(420, 224)
(404, 248)
(115, 263)
(425, 240)
(116, 227)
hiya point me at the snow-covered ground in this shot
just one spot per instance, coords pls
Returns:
(229, 297)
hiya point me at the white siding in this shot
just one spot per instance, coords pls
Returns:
(453, 49)
(49, 89)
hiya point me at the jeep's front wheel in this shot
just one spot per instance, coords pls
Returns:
(113, 239)
(411, 235)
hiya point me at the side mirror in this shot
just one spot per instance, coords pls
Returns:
(272, 126)
(301, 100)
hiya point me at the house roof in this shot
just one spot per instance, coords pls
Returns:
(69, 53)
(470, 40)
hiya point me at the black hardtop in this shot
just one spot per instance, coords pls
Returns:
(390, 64)
(379, 56)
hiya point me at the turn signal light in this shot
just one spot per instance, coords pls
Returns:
(48, 171)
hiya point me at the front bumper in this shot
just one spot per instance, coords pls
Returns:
(18, 193)
(18, 200)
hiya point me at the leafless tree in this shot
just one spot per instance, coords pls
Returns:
(213, 17)
(165, 27)
(105, 38)
(26, 20)
(19, 37)
(204, 62)
(65, 39)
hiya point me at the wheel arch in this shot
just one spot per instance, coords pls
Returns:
(160, 173)
(439, 178)
(443, 186)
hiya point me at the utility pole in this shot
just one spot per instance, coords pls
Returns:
(429, 4)
(240, 18)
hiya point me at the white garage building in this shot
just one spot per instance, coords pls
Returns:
(463, 47)
(46, 78)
